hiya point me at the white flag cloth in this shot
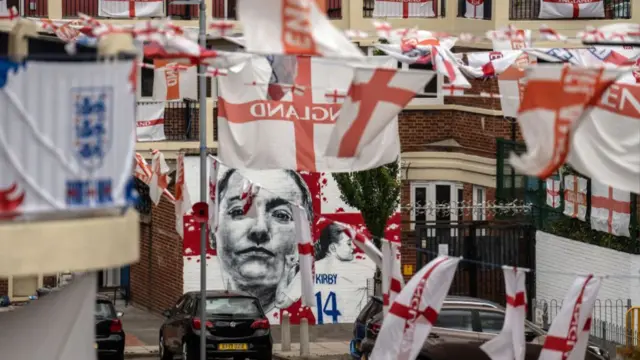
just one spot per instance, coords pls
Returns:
(72, 309)
(510, 38)
(301, 28)
(159, 177)
(302, 120)
(392, 280)
(510, 343)
(415, 310)
(67, 135)
(488, 64)
(130, 8)
(150, 121)
(595, 56)
(568, 336)
(183, 200)
(575, 197)
(405, 9)
(616, 33)
(475, 9)
(553, 192)
(305, 251)
(374, 99)
(571, 9)
(586, 117)
(364, 244)
(213, 194)
(610, 209)
(174, 81)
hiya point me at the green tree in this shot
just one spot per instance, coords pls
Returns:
(375, 193)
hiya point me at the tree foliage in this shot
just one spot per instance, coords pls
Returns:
(375, 193)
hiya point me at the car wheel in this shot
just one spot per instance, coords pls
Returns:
(162, 350)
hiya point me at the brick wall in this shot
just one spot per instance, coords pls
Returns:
(156, 280)
(177, 126)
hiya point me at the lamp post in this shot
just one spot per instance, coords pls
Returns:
(202, 84)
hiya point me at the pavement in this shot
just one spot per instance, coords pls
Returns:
(330, 341)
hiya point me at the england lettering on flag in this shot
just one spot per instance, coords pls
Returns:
(475, 9)
(610, 209)
(510, 343)
(130, 8)
(405, 8)
(575, 197)
(174, 81)
(302, 28)
(568, 335)
(586, 117)
(553, 192)
(412, 315)
(374, 99)
(82, 162)
(293, 132)
(571, 9)
(150, 121)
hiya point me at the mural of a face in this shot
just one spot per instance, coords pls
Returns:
(258, 252)
(343, 249)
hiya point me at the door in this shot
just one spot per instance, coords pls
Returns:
(455, 325)
(172, 340)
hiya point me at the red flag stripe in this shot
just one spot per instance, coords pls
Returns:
(305, 249)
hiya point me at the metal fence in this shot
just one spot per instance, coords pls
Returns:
(368, 5)
(609, 326)
(30, 8)
(530, 9)
(486, 246)
(487, 8)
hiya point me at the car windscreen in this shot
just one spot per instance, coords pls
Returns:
(105, 310)
(233, 306)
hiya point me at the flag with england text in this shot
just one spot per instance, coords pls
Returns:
(150, 121)
(586, 117)
(301, 28)
(71, 145)
(258, 132)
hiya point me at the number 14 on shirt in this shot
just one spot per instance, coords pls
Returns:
(328, 308)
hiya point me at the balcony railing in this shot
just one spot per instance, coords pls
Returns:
(334, 9)
(467, 9)
(30, 8)
(71, 8)
(182, 12)
(530, 10)
(367, 9)
(180, 120)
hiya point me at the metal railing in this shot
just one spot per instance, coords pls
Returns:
(486, 9)
(368, 6)
(71, 8)
(530, 10)
(30, 8)
(334, 9)
(181, 12)
(180, 119)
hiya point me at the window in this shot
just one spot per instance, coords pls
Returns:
(430, 94)
(188, 305)
(455, 319)
(426, 195)
(105, 310)
(233, 306)
(479, 200)
(491, 321)
(468, 10)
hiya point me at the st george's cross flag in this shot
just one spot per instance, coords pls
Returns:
(306, 253)
(373, 101)
(130, 8)
(301, 28)
(392, 279)
(490, 63)
(568, 335)
(294, 131)
(412, 315)
(71, 145)
(610, 209)
(476, 9)
(150, 121)
(585, 117)
(405, 8)
(182, 198)
(510, 343)
(571, 9)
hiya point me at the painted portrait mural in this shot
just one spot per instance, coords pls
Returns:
(257, 252)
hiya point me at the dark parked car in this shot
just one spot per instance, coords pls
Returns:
(109, 333)
(236, 327)
(373, 307)
(464, 320)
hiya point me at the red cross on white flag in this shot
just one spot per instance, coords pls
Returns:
(568, 335)
(405, 8)
(414, 311)
(130, 8)
(553, 193)
(183, 200)
(510, 343)
(392, 280)
(610, 209)
(568, 9)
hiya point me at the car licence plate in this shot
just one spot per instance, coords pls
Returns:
(232, 347)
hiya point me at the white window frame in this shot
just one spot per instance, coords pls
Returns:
(431, 198)
(479, 214)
